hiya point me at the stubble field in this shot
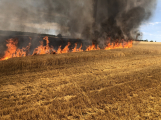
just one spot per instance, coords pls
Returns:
(119, 84)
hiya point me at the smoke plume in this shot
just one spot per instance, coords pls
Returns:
(121, 19)
(95, 20)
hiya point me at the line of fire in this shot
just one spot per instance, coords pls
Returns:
(21, 44)
(50, 44)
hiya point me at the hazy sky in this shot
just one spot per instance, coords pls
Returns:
(152, 29)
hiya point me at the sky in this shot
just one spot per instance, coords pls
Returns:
(152, 29)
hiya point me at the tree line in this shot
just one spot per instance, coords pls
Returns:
(146, 40)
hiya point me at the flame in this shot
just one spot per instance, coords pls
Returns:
(92, 47)
(77, 50)
(119, 45)
(43, 49)
(66, 49)
(80, 49)
(13, 51)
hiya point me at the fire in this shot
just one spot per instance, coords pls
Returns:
(13, 51)
(92, 47)
(119, 45)
(77, 50)
(43, 49)
(66, 49)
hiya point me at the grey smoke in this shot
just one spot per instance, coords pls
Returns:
(121, 19)
(68, 17)
(95, 20)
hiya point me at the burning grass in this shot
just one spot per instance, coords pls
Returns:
(50, 61)
(12, 50)
(101, 84)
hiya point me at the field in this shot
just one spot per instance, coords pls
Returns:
(119, 84)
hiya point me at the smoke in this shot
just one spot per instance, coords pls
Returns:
(24, 15)
(95, 20)
(121, 19)
(68, 17)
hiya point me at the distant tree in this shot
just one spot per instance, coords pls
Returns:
(145, 40)
(155, 41)
(59, 35)
(151, 41)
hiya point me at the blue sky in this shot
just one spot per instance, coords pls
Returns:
(152, 29)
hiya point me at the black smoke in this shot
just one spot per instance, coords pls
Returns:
(121, 19)
(96, 20)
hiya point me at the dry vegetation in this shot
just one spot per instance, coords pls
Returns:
(113, 84)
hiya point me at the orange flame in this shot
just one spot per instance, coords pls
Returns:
(80, 49)
(119, 45)
(77, 50)
(65, 50)
(92, 47)
(43, 49)
(13, 51)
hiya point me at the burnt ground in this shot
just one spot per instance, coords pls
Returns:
(106, 84)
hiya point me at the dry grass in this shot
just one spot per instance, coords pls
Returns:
(113, 84)
(44, 62)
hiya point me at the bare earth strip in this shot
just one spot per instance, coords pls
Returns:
(108, 85)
